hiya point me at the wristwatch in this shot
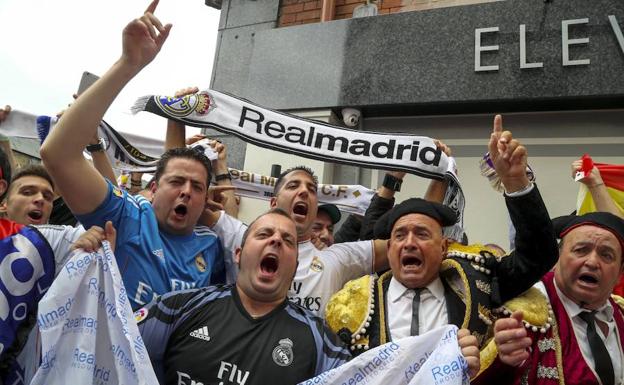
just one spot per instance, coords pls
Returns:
(99, 146)
(221, 177)
(392, 183)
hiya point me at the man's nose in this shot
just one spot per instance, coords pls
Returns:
(186, 188)
(303, 190)
(592, 259)
(276, 240)
(410, 241)
(39, 198)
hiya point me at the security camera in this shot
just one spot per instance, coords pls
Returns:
(351, 116)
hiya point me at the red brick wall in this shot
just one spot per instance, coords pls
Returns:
(294, 12)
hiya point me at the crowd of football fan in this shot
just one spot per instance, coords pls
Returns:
(287, 297)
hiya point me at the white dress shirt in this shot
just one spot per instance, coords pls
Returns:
(604, 315)
(431, 313)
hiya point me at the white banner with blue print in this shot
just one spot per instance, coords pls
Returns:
(433, 358)
(88, 331)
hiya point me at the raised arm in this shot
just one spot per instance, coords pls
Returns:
(5, 141)
(437, 188)
(82, 187)
(176, 132)
(509, 158)
(382, 201)
(536, 249)
(597, 189)
(223, 178)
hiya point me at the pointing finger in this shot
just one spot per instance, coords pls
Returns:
(498, 124)
(152, 7)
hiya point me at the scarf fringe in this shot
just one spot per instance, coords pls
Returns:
(140, 104)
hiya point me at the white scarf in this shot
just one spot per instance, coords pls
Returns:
(295, 135)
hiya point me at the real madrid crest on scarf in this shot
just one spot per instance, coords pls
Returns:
(201, 103)
(283, 353)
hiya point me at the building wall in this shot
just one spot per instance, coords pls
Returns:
(542, 55)
(416, 72)
(296, 12)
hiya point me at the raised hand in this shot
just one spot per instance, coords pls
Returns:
(143, 38)
(443, 147)
(4, 113)
(593, 179)
(509, 157)
(186, 91)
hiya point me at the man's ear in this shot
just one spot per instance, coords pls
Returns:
(153, 186)
(273, 202)
(237, 255)
(445, 244)
(3, 187)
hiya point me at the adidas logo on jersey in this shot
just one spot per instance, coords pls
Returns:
(201, 333)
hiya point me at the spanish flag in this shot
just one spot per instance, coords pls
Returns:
(613, 178)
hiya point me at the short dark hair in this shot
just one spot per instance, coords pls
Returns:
(33, 170)
(275, 210)
(5, 169)
(186, 153)
(280, 179)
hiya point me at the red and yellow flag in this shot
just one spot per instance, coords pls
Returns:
(613, 178)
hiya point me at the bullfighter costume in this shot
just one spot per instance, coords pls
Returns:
(475, 281)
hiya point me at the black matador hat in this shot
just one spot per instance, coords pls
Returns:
(444, 215)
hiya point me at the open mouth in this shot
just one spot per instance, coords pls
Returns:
(587, 278)
(411, 261)
(300, 209)
(269, 264)
(35, 215)
(180, 210)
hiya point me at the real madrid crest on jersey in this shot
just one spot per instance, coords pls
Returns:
(201, 103)
(317, 265)
(117, 192)
(283, 353)
(200, 263)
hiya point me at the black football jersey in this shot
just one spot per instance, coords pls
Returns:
(205, 336)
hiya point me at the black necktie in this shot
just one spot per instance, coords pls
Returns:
(415, 307)
(602, 360)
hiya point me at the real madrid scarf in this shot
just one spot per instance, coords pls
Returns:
(349, 198)
(294, 135)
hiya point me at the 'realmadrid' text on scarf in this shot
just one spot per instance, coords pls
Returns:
(307, 138)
